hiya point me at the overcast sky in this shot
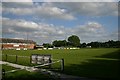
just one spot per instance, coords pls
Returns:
(45, 22)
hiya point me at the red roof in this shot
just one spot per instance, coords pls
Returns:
(8, 40)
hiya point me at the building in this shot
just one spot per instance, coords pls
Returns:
(16, 44)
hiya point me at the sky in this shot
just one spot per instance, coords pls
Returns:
(47, 21)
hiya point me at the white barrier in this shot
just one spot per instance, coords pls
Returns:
(13, 71)
(47, 64)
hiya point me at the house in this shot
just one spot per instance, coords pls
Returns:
(6, 43)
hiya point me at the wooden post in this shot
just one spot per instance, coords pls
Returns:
(16, 59)
(50, 61)
(62, 64)
(3, 74)
(6, 57)
(30, 59)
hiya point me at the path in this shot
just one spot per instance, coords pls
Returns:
(45, 71)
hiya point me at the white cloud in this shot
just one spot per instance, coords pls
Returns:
(94, 31)
(18, 28)
(90, 8)
(17, 1)
(42, 32)
(42, 11)
(18, 11)
(64, 11)
(77, 0)
(52, 12)
(18, 25)
(17, 5)
(89, 29)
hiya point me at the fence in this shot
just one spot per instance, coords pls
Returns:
(26, 60)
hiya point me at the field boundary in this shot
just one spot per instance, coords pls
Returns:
(24, 56)
(55, 75)
(100, 63)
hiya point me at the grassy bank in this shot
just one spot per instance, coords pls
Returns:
(96, 63)
(23, 74)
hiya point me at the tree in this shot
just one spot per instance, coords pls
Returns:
(94, 44)
(83, 45)
(59, 43)
(47, 45)
(74, 40)
(108, 44)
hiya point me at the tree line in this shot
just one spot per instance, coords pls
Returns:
(74, 41)
(108, 44)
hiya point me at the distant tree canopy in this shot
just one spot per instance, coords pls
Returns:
(59, 43)
(83, 45)
(47, 45)
(108, 44)
(74, 41)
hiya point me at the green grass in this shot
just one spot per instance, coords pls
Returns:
(23, 75)
(7, 68)
(94, 63)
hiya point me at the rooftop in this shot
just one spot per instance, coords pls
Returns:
(8, 40)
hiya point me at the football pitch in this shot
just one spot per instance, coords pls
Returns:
(101, 63)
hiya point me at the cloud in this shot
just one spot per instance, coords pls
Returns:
(17, 1)
(89, 27)
(77, 0)
(112, 35)
(41, 11)
(94, 31)
(90, 31)
(90, 8)
(52, 12)
(43, 32)
(17, 11)
(15, 26)
(19, 28)
(63, 11)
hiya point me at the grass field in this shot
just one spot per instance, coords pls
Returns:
(7, 68)
(22, 74)
(99, 63)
